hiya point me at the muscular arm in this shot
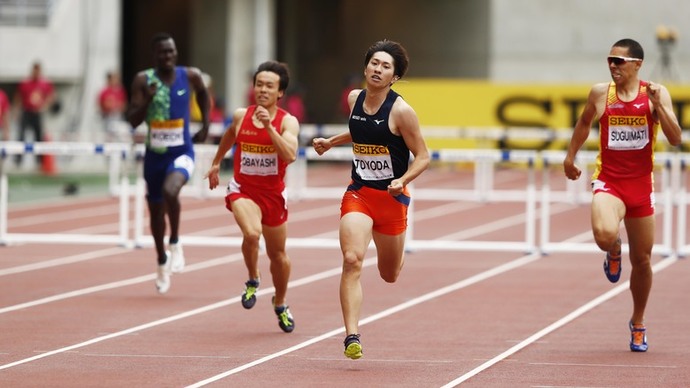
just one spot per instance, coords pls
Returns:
(203, 101)
(663, 110)
(285, 142)
(590, 112)
(141, 95)
(322, 145)
(226, 142)
(405, 122)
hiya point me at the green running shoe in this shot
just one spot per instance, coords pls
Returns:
(249, 295)
(285, 320)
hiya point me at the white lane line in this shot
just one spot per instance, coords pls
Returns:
(604, 365)
(64, 260)
(117, 284)
(661, 265)
(186, 314)
(383, 314)
(306, 280)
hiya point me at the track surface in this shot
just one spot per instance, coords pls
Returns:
(89, 315)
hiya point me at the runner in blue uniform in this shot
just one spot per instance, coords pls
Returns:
(161, 97)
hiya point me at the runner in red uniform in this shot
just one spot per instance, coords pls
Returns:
(265, 140)
(383, 130)
(629, 112)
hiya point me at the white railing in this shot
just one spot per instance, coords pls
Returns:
(673, 195)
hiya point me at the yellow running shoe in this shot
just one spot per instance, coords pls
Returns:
(353, 347)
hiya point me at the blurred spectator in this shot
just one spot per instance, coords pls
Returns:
(293, 102)
(112, 101)
(34, 95)
(194, 111)
(352, 81)
(4, 116)
(250, 91)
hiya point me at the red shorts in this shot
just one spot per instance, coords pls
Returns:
(636, 193)
(388, 213)
(273, 204)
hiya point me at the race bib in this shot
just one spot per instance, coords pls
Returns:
(166, 133)
(259, 159)
(628, 132)
(372, 162)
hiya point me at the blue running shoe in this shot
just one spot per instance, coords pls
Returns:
(638, 338)
(249, 295)
(285, 320)
(353, 347)
(612, 264)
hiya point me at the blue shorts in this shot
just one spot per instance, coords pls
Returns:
(158, 166)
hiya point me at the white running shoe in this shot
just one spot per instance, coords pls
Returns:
(177, 256)
(163, 278)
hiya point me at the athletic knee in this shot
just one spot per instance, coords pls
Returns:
(390, 276)
(389, 273)
(351, 262)
(279, 257)
(605, 239)
(251, 237)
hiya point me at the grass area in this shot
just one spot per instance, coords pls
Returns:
(34, 187)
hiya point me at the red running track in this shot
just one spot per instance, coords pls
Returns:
(89, 315)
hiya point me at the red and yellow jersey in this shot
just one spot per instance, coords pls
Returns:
(256, 161)
(627, 134)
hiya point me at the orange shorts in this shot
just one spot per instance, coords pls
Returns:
(388, 213)
(636, 193)
(273, 204)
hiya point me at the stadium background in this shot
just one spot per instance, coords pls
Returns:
(474, 63)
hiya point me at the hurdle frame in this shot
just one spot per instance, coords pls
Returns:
(108, 150)
(664, 160)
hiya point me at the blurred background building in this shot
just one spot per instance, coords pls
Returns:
(473, 62)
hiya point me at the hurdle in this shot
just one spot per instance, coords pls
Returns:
(663, 160)
(673, 180)
(115, 152)
(683, 248)
(298, 189)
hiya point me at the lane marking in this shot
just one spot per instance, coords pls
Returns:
(383, 314)
(604, 365)
(660, 266)
(300, 282)
(176, 317)
(63, 260)
(120, 283)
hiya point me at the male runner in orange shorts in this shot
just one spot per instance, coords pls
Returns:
(384, 129)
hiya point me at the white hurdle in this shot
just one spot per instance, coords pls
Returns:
(662, 159)
(65, 148)
(298, 188)
(484, 161)
(673, 192)
(682, 247)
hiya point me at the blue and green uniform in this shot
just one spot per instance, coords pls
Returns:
(168, 142)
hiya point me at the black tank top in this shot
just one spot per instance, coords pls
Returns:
(379, 155)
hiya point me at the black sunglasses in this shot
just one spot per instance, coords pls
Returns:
(621, 60)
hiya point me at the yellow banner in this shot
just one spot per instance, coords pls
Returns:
(463, 103)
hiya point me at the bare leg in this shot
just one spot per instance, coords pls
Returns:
(280, 261)
(171, 193)
(641, 240)
(355, 235)
(607, 213)
(248, 216)
(157, 223)
(391, 255)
